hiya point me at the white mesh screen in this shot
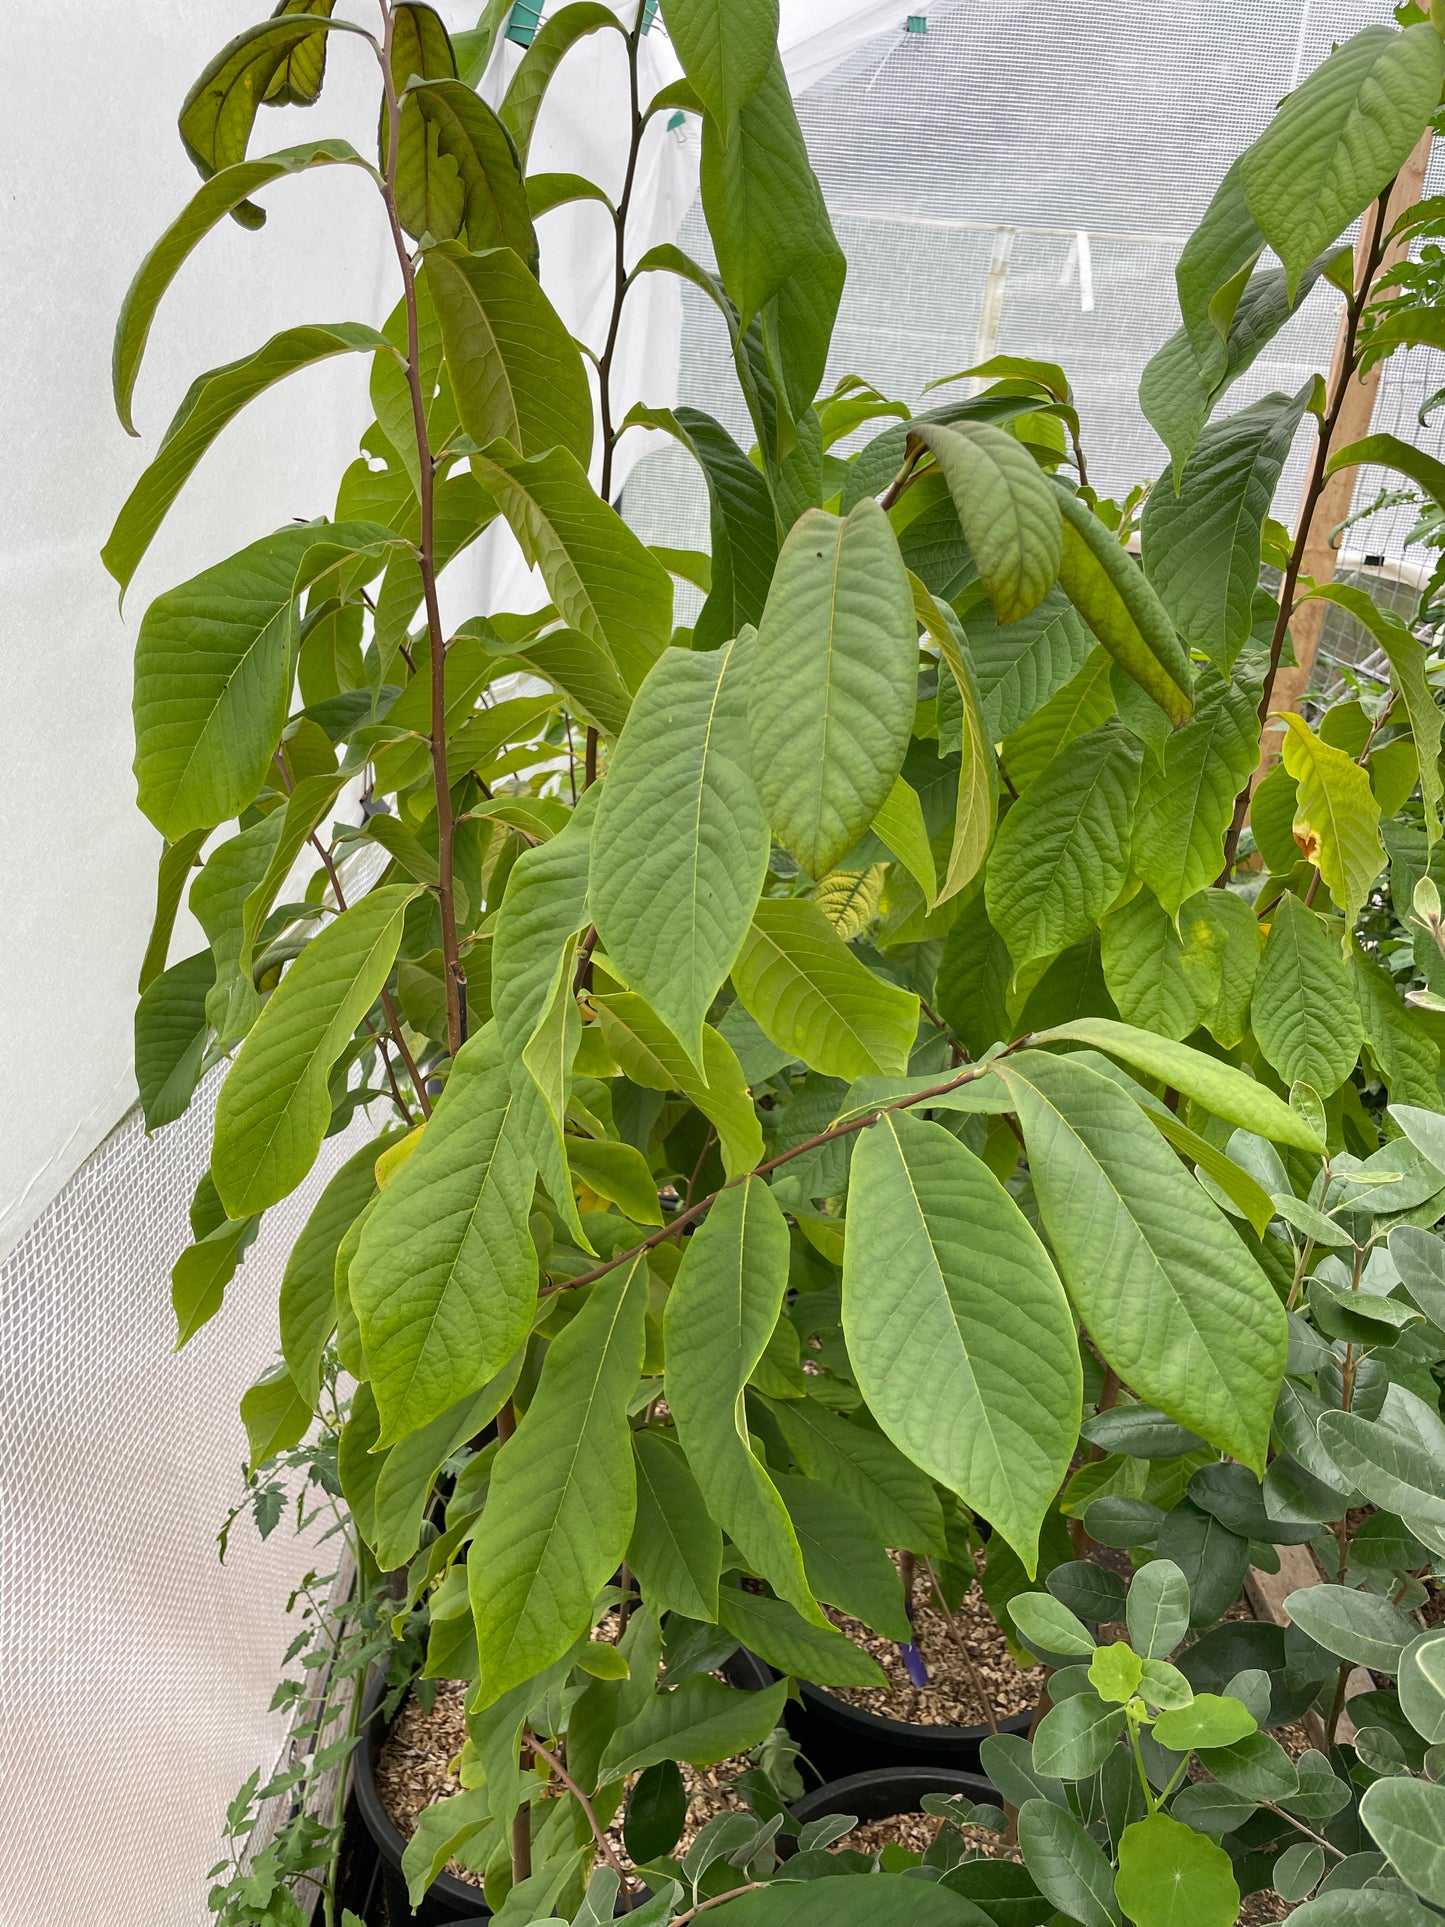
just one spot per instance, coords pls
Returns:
(135, 1670)
(1072, 150)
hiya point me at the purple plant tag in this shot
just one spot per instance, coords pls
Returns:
(913, 1660)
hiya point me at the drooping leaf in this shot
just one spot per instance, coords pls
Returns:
(1008, 510)
(1186, 799)
(778, 1634)
(744, 544)
(652, 1057)
(974, 811)
(843, 1556)
(1168, 1292)
(676, 1547)
(831, 691)
(1062, 851)
(1113, 595)
(466, 134)
(1304, 1012)
(211, 401)
(701, 1721)
(1202, 525)
(274, 1106)
(725, 51)
(1213, 270)
(545, 903)
(682, 843)
(1340, 138)
(808, 992)
(170, 1038)
(600, 576)
(720, 1316)
(515, 371)
(759, 194)
(957, 1326)
(445, 1275)
(220, 110)
(1083, 704)
(1337, 819)
(308, 1290)
(562, 1497)
(861, 1463)
(554, 38)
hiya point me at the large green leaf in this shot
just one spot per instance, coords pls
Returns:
(1202, 526)
(701, 1721)
(599, 575)
(220, 110)
(275, 1106)
(744, 532)
(1113, 595)
(1229, 1093)
(651, 1056)
(807, 991)
(1169, 1293)
(1186, 799)
(1086, 702)
(219, 895)
(562, 1497)
(1019, 665)
(213, 672)
(1407, 1821)
(676, 1547)
(1162, 972)
(209, 403)
(1067, 1866)
(444, 1279)
(957, 1326)
(472, 140)
(1395, 1460)
(833, 683)
(720, 1316)
(1171, 1876)
(1406, 655)
(515, 371)
(759, 193)
(1062, 852)
(1179, 389)
(844, 1556)
(1008, 510)
(1339, 139)
(1304, 1012)
(779, 1635)
(545, 903)
(1406, 1055)
(1213, 270)
(170, 1038)
(682, 843)
(1359, 1626)
(863, 1465)
(725, 48)
(1337, 819)
(554, 38)
(308, 1284)
(220, 196)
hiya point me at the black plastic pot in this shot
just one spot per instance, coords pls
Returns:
(448, 1901)
(889, 1790)
(839, 1740)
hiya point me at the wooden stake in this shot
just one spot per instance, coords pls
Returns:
(1320, 559)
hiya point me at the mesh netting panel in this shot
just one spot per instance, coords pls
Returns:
(135, 1670)
(1022, 180)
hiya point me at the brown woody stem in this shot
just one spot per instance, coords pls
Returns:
(452, 972)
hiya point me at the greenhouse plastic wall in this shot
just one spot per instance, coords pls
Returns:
(1015, 177)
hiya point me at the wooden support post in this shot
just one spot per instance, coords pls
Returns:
(1353, 424)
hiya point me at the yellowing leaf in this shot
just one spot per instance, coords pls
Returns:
(1337, 820)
